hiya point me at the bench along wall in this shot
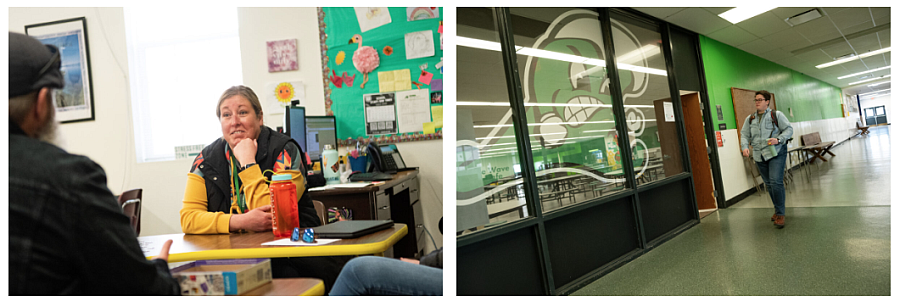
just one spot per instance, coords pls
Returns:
(816, 105)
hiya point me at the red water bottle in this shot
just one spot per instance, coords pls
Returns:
(283, 194)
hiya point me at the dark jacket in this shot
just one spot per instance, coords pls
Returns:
(67, 233)
(268, 145)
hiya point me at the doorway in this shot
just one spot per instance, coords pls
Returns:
(875, 115)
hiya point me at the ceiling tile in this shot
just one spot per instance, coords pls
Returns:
(764, 24)
(776, 54)
(732, 35)
(834, 10)
(817, 29)
(717, 10)
(815, 57)
(863, 45)
(878, 12)
(698, 20)
(876, 61)
(757, 47)
(659, 12)
(787, 12)
(882, 20)
(801, 43)
(785, 37)
(838, 50)
(851, 16)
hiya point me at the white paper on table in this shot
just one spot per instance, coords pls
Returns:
(419, 44)
(669, 111)
(288, 242)
(413, 109)
(372, 17)
(344, 185)
(273, 102)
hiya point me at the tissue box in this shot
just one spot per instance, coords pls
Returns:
(222, 277)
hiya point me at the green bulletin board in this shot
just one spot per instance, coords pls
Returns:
(337, 26)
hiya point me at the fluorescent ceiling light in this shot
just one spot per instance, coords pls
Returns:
(871, 79)
(482, 44)
(738, 14)
(878, 84)
(874, 92)
(852, 58)
(864, 72)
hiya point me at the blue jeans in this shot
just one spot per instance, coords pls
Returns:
(772, 173)
(372, 275)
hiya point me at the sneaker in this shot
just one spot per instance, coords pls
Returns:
(773, 216)
(779, 221)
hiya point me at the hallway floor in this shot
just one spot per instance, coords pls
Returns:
(836, 240)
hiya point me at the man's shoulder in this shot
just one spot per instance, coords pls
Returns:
(41, 161)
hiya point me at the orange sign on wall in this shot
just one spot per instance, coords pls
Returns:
(719, 139)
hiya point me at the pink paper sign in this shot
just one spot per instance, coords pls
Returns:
(425, 77)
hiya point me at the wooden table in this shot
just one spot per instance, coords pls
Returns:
(289, 287)
(187, 247)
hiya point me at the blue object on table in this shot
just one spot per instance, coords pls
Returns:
(296, 235)
(309, 236)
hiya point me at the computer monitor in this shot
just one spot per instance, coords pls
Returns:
(320, 130)
(295, 124)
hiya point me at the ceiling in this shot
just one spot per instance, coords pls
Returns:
(801, 47)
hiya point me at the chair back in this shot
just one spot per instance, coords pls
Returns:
(131, 206)
(320, 210)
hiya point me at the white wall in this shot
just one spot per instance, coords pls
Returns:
(109, 140)
(736, 176)
(870, 102)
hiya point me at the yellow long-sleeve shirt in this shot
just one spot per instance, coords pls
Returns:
(195, 217)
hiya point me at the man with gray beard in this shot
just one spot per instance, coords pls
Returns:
(67, 233)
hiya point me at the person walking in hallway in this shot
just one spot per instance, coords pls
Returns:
(766, 131)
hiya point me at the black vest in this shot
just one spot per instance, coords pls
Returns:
(217, 177)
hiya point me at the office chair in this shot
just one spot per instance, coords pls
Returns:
(131, 205)
(320, 210)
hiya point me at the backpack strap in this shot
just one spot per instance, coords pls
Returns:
(774, 120)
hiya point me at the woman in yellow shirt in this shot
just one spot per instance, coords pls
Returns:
(227, 190)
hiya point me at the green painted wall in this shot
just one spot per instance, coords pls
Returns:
(727, 67)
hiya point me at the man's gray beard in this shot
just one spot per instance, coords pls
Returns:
(49, 132)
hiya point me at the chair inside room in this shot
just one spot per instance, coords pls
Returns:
(320, 210)
(131, 205)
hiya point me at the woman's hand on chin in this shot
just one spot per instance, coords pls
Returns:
(245, 151)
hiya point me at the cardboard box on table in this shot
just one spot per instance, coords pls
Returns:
(222, 277)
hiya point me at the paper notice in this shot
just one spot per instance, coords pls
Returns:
(372, 17)
(413, 110)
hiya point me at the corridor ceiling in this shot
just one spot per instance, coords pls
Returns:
(840, 31)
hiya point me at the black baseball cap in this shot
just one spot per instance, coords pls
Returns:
(32, 65)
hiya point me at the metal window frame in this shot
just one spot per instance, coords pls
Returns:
(537, 219)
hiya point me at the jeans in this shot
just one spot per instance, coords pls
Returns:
(372, 275)
(772, 173)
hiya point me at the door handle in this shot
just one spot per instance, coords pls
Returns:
(384, 208)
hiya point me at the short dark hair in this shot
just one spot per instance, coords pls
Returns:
(765, 94)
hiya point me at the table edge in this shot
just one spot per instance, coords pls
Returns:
(290, 251)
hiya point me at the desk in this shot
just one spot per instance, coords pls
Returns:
(187, 247)
(397, 200)
(289, 287)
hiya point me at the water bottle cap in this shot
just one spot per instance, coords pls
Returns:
(281, 177)
(327, 147)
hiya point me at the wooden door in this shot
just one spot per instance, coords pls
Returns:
(700, 168)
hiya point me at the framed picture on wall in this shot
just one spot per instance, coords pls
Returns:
(75, 101)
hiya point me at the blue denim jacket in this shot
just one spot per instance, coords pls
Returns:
(67, 233)
(756, 133)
